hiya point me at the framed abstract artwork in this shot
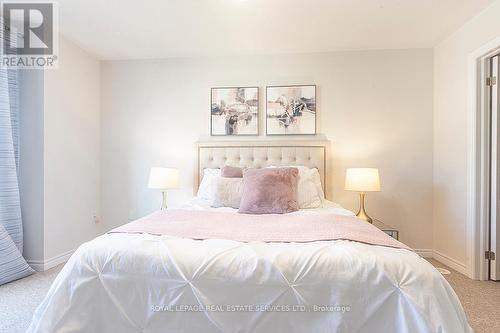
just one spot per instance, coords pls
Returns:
(234, 111)
(291, 110)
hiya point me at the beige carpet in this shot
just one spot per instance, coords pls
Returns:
(18, 300)
(480, 299)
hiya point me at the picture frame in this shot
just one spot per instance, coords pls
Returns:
(234, 111)
(291, 110)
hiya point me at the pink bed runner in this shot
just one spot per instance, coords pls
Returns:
(307, 227)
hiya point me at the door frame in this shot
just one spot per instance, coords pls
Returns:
(494, 159)
(478, 182)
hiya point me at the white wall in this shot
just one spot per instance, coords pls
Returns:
(31, 162)
(375, 107)
(71, 151)
(450, 130)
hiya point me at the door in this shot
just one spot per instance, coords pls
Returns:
(494, 229)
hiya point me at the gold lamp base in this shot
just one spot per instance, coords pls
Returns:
(361, 212)
(163, 200)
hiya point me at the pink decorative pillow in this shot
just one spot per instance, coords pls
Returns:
(269, 191)
(231, 172)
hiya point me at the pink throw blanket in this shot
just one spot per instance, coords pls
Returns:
(304, 227)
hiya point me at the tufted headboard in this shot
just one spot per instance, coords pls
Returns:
(257, 154)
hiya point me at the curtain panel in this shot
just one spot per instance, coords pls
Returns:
(12, 265)
(10, 207)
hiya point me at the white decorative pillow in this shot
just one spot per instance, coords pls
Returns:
(205, 191)
(309, 190)
(316, 178)
(226, 192)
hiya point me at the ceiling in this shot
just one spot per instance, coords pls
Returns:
(126, 29)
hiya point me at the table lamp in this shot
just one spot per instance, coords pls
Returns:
(362, 180)
(163, 179)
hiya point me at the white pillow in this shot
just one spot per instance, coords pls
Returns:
(226, 192)
(205, 191)
(316, 178)
(309, 190)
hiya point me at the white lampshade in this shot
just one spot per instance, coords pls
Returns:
(362, 179)
(163, 178)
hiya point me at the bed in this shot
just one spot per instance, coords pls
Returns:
(147, 281)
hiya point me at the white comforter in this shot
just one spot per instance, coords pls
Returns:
(145, 283)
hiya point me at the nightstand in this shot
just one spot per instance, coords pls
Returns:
(394, 233)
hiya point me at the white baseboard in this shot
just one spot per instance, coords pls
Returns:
(425, 253)
(444, 259)
(450, 262)
(43, 265)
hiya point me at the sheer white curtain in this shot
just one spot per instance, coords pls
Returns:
(12, 264)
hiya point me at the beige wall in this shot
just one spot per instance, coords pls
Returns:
(450, 130)
(374, 106)
(71, 150)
